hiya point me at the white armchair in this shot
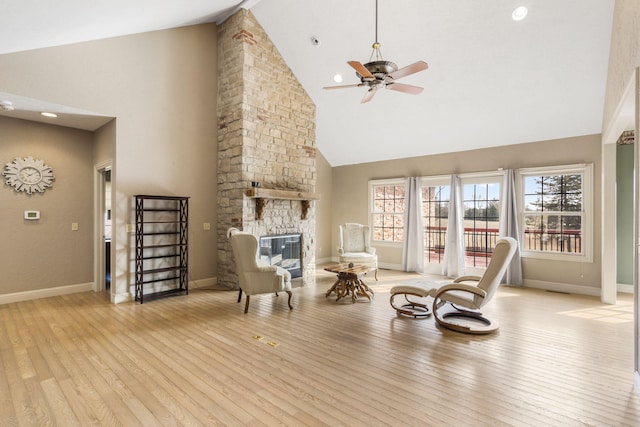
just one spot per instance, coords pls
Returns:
(355, 246)
(255, 278)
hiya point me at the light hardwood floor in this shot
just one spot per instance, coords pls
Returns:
(77, 360)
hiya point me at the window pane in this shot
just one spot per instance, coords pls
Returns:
(481, 222)
(532, 203)
(493, 191)
(388, 203)
(469, 192)
(553, 233)
(389, 206)
(435, 210)
(532, 185)
(572, 202)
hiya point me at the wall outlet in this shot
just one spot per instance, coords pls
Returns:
(206, 226)
(74, 226)
(129, 228)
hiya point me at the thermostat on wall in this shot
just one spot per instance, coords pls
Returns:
(31, 214)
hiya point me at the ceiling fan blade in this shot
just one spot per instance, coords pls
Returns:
(401, 87)
(341, 87)
(360, 69)
(369, 95)
(409, 69)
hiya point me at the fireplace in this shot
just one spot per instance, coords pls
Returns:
(267, 135)
(283, 250)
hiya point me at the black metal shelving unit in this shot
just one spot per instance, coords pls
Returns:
(162, 245)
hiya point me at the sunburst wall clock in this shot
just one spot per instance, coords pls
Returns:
(28, 175)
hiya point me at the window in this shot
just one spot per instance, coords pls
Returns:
(481, 201)
(435, 214)
(387, 210)
(556, 212)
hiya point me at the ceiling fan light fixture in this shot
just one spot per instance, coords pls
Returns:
(380, 74)
(519, 13)
(337, 78)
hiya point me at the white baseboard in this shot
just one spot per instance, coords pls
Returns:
(388, 266)
(44, 293)
(624, 288)
(208, 282)
(203, 283)
(562, 287)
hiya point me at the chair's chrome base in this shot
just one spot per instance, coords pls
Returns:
(411, 308)
(465, 321)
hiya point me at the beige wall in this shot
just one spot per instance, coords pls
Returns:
(104, 142)
(161, 88)
(624, 55)
(46, 253)
(350, 194)
(324, 208)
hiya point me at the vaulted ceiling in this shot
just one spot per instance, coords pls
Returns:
(491, 81)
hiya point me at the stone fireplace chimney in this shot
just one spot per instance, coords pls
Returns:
(266, 135)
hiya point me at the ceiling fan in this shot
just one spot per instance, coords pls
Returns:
(378, 73)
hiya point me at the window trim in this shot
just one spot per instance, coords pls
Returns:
(382, 182)
(584, 169)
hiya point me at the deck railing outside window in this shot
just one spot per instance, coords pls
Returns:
(481, 241)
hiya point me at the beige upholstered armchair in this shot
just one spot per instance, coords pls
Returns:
(355, 246)
(457, 305)
(255, 278)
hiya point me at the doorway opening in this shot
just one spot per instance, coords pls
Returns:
(102, 231)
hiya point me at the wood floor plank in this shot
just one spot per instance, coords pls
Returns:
(199, 360)
(59, 404)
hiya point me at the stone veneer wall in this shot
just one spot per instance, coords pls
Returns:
(266, 134)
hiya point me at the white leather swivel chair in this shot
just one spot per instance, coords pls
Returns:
(355, 246)
(255, 278)
(466, 295)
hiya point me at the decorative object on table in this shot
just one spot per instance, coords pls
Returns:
(355, 246)
(378, 73)
(28, 175)
(253, 277)
(465, 296)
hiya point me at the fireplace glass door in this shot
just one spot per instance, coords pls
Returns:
(282, 250)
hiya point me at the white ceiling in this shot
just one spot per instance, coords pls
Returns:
(491, 81)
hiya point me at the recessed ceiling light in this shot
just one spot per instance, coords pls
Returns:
(337, 78)
(519, 13)
(44, 113)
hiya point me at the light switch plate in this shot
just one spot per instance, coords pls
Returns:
(74, 226)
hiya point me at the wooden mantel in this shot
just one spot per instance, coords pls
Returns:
(263, 194)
